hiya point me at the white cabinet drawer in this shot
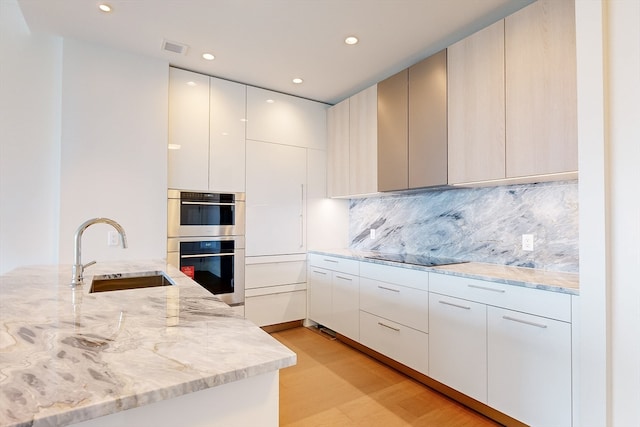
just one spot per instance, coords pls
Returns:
(407, 306)
(275, 273)
(403, 344)
(344, 265)
(553, 305)
(275, 308)
(398, 275)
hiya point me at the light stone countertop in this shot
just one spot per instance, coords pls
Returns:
(68, 356)
(518, 276)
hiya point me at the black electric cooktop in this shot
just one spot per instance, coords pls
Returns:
(423, 260)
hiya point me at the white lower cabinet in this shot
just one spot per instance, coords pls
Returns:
(394, 313)
(458, 344)
(334, 296)
(275, 289)
(517, 361)
(399, 342)
(529, 360)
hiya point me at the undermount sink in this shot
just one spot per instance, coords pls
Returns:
(122, 281)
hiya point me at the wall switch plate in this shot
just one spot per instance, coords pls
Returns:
(113, 239)
(372, 233)
(527, 242)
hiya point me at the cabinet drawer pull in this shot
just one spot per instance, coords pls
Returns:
(526, 322)
(389, 327)
(484, 288)
(324, 273)
(344, 278)
(389, 289)
(330, 260)
(455, 305)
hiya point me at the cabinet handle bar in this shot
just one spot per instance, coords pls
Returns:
(344, 278)
(389, 289)
(320, 272)
(455, 305)
(389, 327)
(484, 288)
(526, 322)
(330, 260)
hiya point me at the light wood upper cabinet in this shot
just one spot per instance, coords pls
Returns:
(477, 106)
(352, 150)
(412, 126)
(541, 121)
(428, 122)
(363, 141)
(393, 132)
(338, 150)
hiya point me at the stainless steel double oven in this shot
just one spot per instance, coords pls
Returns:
(206, 240)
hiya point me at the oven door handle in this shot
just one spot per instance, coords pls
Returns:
(208, 203)
(204, 255)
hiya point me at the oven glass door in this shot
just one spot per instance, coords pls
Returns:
(207, 209)
(210, 264)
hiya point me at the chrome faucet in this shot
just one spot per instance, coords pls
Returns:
(78, 268)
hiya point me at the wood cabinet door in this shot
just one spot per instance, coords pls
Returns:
(363, 142)
(476, 121)
(541, 120)
(188, 155)
(338, 150)
(428, 122)
(393, 132)
(227, 136)
(529, 367)
(458, 344)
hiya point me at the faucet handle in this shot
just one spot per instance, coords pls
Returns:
(89, 264)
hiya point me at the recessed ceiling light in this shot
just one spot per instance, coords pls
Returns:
(208, 56)
(351, 40)
(191, 83)
(104, 7)
(270, 101)
(297, 80)
(174, 146)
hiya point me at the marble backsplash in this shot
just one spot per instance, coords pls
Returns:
(476, 224)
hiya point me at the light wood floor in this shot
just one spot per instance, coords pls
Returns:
(336, 385)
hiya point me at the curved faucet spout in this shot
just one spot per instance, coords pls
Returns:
(78, 268)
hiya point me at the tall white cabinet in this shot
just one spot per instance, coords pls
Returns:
(286, 141)
(206, 133)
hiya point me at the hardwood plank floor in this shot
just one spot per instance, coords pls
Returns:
(336, 385)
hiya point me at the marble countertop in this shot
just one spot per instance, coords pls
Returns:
(518, 276)
(69, 355)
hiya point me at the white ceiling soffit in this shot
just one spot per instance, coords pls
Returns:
(267, 43)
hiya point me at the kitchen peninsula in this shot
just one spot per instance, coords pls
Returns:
(168, 355)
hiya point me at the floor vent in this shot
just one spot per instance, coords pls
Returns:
(174, 47)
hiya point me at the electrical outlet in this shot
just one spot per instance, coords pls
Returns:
(113, 239)
(372, 233)
(527, 242)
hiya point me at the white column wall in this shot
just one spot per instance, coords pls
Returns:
(114, 151)
(30, 70)
(623, 137)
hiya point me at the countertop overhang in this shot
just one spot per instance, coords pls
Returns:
(67, 355)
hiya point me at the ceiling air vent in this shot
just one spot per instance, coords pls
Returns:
(174, 47)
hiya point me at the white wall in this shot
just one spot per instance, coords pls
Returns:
(30, 70)
(623, 138)
(114, 151)
(83, 134)
(609, 112)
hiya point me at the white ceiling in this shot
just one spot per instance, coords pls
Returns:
(268, 42)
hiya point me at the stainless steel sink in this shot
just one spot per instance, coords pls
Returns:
(122, 281)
